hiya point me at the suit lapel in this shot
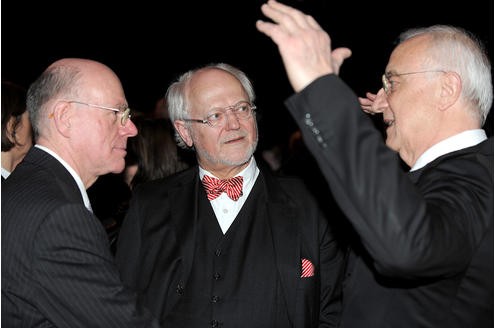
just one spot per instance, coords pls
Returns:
(286, 241)
(185, 216)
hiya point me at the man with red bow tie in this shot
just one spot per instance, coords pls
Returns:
(226, 243)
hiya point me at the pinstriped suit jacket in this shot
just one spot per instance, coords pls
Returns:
(57, 268)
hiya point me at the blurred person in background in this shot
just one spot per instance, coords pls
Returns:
(17, 136)
(153, 153)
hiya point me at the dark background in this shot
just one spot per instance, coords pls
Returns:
(148, 44)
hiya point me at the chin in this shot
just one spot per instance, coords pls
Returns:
(118, 168)
(393, 147)
(236, 160)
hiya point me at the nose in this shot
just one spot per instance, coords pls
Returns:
(129, 129)
(380, 104)
(232, 120)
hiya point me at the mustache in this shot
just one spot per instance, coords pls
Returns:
(234, 136)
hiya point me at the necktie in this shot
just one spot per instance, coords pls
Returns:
(214, 187)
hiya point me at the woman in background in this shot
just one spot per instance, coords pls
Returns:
(153, 153)
(17, 136)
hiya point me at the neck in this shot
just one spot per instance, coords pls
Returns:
(226, 171)
(9, 160)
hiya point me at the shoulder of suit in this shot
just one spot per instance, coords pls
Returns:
(293, 186)
(175, 180)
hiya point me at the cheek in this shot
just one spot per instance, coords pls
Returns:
(252, 131)
(97, 138)
(207, 140)
(25, 130)
(25, 134)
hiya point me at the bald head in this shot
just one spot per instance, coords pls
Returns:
(77, 108)
(75, 62)
(70, 78)
(91, 73)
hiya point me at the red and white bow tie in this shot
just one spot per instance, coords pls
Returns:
(214, 187)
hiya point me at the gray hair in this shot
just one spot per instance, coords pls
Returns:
(52, 83)
(457, 50)
(178, 104)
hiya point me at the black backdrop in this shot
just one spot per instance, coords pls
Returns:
(149, 44)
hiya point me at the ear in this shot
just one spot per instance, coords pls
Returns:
(62, 117)
(184, 133)
(451, 90)
(10, 132)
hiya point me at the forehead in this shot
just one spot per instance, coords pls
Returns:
(101, 84)
(409, 55)
(214, 87)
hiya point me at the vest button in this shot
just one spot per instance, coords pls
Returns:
(217, 276)
(215, 299)
(179, 289)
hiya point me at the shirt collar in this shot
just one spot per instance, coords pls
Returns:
(248, 174)
(459, 141)
(5, 173)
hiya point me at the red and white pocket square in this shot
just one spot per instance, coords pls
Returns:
(307, 268)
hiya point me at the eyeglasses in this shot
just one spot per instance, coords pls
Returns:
(388, 85)
(217, 116)
(125, 112)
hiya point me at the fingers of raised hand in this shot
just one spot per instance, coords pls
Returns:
(288, 18)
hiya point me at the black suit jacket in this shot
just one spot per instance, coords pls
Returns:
(57, 269)
(427, 237)
(155, 246)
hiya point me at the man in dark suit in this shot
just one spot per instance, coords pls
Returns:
(257, 253)
(425, 257)
(57, 269)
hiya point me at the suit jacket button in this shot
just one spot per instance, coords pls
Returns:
(180, 290)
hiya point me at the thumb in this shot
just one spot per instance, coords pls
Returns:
(338, 57)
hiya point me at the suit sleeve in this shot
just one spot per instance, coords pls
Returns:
(408, 231)
(79, 284)
(331, 275)
(129, 246)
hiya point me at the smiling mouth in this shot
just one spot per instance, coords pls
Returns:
(234, 140)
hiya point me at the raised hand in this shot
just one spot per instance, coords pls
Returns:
(304, 46)
(374, 103)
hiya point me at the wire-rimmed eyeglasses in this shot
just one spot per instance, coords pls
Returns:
(217, 116)
(124, 112)
(388, 84)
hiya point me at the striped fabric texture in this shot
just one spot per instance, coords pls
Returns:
(308, 270)
(214, 187)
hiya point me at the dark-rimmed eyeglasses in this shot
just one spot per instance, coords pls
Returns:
(388, 84)
(125, 113)
(218, 116)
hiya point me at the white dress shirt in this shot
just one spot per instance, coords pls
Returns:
(5, 173)
(225, 208)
